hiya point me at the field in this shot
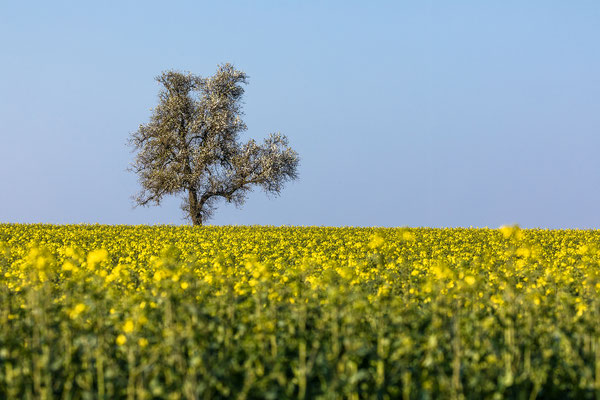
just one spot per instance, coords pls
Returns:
(92, 311)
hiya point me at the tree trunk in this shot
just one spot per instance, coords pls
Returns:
(195, 214)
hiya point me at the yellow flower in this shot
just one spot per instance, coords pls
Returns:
(128, 326)
(523, 252)
(68, 266)
(407, 236)
(96, 257)
(496, 299)
(77, 310)
(470, 280)
(121, 340)
(143, 342)
(583, 249)
(376, 242)
(511, 231)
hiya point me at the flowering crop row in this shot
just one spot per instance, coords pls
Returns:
(262, 312)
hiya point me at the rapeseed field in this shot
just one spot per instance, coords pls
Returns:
(139, 312)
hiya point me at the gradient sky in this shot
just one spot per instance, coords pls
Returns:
(417, 113)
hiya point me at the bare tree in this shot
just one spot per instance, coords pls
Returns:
(191, 146)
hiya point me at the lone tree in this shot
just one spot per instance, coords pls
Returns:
(191, 147)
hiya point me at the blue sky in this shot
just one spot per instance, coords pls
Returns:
(417, 113)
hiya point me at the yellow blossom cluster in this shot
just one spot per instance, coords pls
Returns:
(93, 311)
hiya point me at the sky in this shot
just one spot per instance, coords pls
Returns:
(404, 113)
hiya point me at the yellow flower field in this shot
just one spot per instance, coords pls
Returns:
(138, 312)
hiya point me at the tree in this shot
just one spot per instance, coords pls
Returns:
(190, 146)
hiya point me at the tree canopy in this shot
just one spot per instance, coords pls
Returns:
(191, 146)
